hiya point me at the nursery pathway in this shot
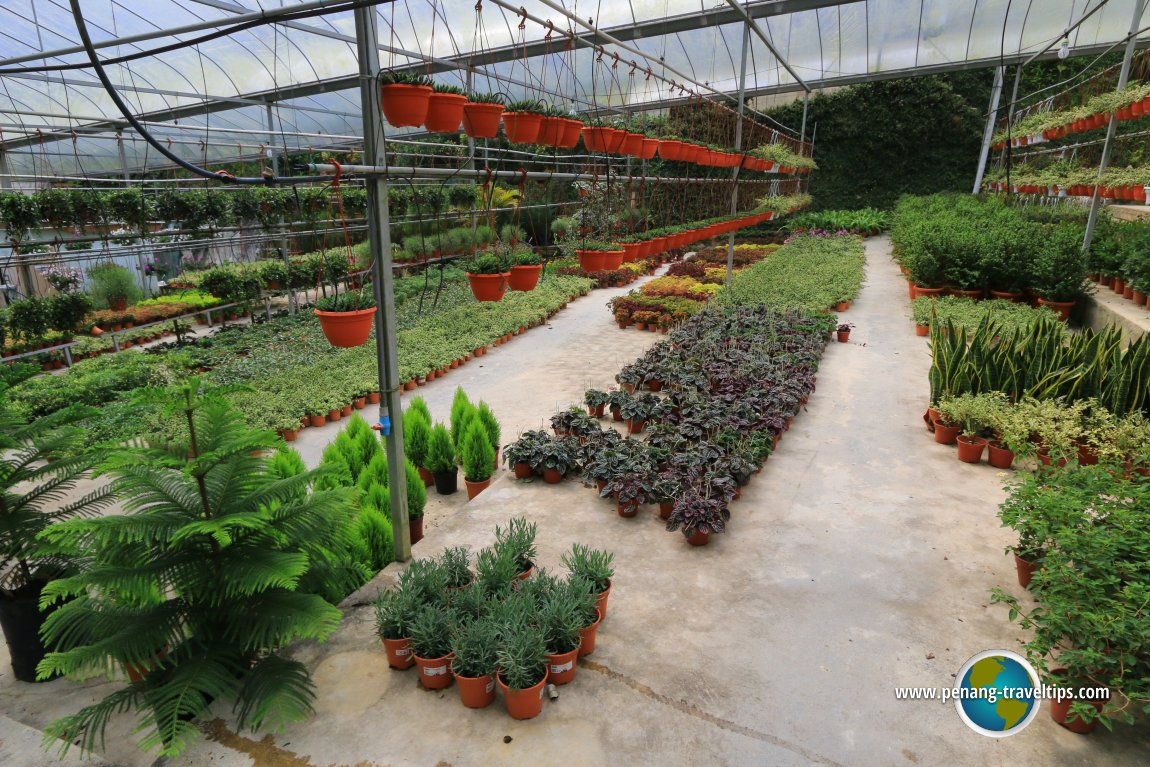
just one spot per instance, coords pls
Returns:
(859, 560)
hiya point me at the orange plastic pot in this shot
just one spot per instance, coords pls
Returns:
(1025, 570)
(592, 260)
(632, 144)
(601, 600)
(970, 448)
(648, 149)
(572, 129)
(444, 112)
(613, 259)
(614, 140)
(405, 106)
(1062, 308)
(945, 435)
(481, 120)
(524, 278)
(551, 130)
(561, 667)
(522, 127)
(699, 538)
(475, 488)
(526, 703)
(488, 287)
(671, 150)
(434, 673)
(476, 691)
(399, 653)
(346, 329)
(588, 634)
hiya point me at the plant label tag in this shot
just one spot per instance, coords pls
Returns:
(490, 686)
(401, 652)
(564, 667)
(434, 670)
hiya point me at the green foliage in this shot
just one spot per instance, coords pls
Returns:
(218, 547)
(440, 450)
(419, 405)
(969, 314)
(478, 454)
(347, 301)
(373, 528)
(809, 272)
(523, 656)
(490, 423)
(111, 283)
(416, 436)
(875, 141)
(416, 491)
(476, 648)
(517, 541)
(431, 632)
(593, 566)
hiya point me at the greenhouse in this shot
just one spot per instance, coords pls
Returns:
(655, 382)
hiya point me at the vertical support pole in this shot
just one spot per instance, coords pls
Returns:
(991, 120)
(5, 185)
(1112, 128)
(293, 302)
(803, 126)
(379, 234)
(738, 148)
(470, 164)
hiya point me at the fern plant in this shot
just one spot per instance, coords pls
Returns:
(33, 495)
(197, 584)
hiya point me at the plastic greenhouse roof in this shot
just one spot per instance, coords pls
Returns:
(214, 100)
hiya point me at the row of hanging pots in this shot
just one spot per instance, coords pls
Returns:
(590, 260)
(1135, 192)
(1132, 111)
(491, 287)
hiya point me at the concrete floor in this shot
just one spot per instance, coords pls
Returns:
(858, 561)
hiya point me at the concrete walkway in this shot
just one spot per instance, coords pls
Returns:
(859, 560)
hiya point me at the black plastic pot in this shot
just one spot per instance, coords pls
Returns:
(446, 482)
(20, 618)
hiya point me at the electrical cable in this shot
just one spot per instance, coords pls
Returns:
(101, 73)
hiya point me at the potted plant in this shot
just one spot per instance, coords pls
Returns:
(615, 400)
(441, 460)
(596, 401)
(187, 622)
(561, 618)
(113, 286)
(445, 108)
(636, 410)
(474, 661)
(523, 455)
(34, 474)
(454, 562)
(629, 491)
(698, 515)
(346, 318)
(431, 631)
(843, 332)
(394, 611)
(405, 98)
(481, 115)
(522, 120)
(522, 660)
(487, 277)
(417, 441)
(517, 542)
(526, 266)
(557, 458)
(1058, 271)
(593, 567)
(478, 459)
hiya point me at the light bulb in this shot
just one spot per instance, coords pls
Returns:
(1064, 50)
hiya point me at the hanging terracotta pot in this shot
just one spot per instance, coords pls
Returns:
(405, 106)
(523, 704)
(522, 127)
(481, 120)
(588, 634)
(632, 144)
(970, 448)
(524, 278)
(595, 138)
(476, 691)
(572, 130)
(346, 329)
(444, 112)
(399, 653)
(648, 148)
(551, 130)
(435, 673)
(614, 140)
(488, 287)
(561, 667)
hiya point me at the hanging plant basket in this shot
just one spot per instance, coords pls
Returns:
(524, 278)
(488, 287)
(572, 129)
(632, 144)
(405, 106)
(481, 120)
(445, 112)
(649, 147)
(522, 127)
(551, 130)
(595, 138)
(346, 329)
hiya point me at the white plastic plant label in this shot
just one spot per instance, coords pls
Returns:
(434, 670)
(490, 686)
(402, 651)
(561, 668)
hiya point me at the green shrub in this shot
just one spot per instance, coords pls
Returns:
(478, 454)
(111, 283)
(440, 451)
(416, 435)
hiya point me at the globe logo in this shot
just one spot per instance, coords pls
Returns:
(997, 693)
